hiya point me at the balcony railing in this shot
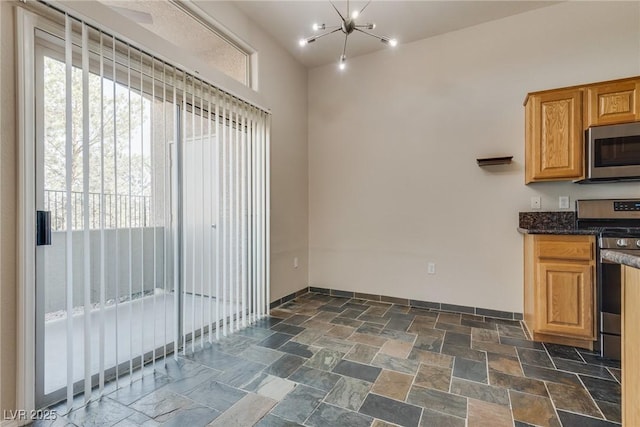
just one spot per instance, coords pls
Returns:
(120, 211)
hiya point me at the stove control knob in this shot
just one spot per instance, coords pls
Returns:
(622, 243)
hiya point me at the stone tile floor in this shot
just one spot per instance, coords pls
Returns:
(328, 361)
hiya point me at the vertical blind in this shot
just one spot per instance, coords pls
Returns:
(197, 268)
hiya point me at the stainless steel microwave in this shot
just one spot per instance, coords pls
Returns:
(612, 153)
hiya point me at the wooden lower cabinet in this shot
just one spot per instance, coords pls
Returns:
(560, 289)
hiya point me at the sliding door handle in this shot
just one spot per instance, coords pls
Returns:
(43, 228)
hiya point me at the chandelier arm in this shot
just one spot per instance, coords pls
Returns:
(365, 6)
(314, 38)
(364, 25)
(336, 9)
(344, 49)
(381, 38)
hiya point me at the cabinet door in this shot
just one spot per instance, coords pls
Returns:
(613, 103)
(554, 136)
(565, 299)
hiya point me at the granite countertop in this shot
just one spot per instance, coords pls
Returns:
(550, 223)
(630, 258)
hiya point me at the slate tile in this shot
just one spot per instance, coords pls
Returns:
(572, 398)
(475, 324)
(479, 391)
(431, 358)
(391, 410)
(535, 358)
(298, 404)
(340, 331)
(433, 418)
(570, 419)
(520, 342)
(593, 359)
(378, 310)
(611, 411)
(255, 332)
(215, 395)
(396, 348)
(297, 319)
(490, 347)
(329, 415)
(322, 380)
(399, 324)
(505, 364)
(285, 366)
(323, 316)
(297, 349)
(145, 385)
(395, 363)
(453, 328)
(271, 420)
(331, 308)
(454, 338)
(325, 359)
(372, 340)
(287, 329)
(216, 359)
(546, 374)
(262, 355)
(609, 391)
(435, 377)
(275, 340)
(369, 328)
(346, 321)
(484, 335)
(464, 352)
(162, 405)
(308, 336)
(393, 384)
(270, 386)
(362, 353)
(483, 413)
(429, 342)
(511, 331)
(533, 409)
(348, 393)
(440, 401)
(357, 370)
(523, 384)
(457, 308)
(104, 412)
(494, 313)
(452, 318)
(246, 412)
(194, 416)
(470, 370)
(583, 368)
(267, 322)
(424, 304)
(240, 374)
(397, 335)
(563, 352)
(616, 373)
(233, 344)
(334, 344)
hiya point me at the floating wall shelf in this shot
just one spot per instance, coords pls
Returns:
(487, 161)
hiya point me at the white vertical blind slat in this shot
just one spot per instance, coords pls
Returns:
(130, 219)
(85, 211)
(219, 223)
(69, 208)
(102, 347)
(141, 214)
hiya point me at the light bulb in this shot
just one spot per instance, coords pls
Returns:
(317, 27)
(355, 14)
(342, 65)
(393, 42)
(302, 42)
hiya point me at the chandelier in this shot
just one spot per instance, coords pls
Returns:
(347, 26)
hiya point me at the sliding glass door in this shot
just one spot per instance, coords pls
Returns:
(151, 192)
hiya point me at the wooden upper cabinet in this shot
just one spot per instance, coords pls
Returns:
(612, 103)
(554, 136)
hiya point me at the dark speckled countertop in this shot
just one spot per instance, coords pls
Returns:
(630, 258)
(550, 223)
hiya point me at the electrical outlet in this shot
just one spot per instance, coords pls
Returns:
(295, 262)
(535, 202)
(431, 268)
(563, 202)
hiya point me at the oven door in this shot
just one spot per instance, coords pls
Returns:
(613, 152)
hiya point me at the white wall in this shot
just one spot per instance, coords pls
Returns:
(283, 83)
(393, 181)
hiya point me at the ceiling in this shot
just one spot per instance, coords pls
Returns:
(407, 21)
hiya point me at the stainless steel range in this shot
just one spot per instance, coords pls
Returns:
(617, 224)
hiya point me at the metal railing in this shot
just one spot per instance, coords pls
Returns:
(120, 211)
